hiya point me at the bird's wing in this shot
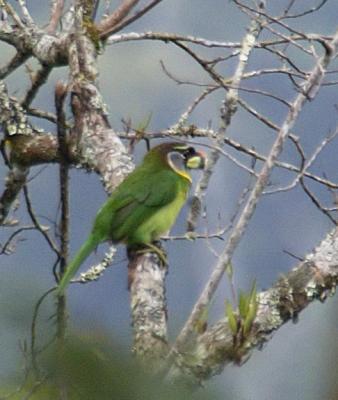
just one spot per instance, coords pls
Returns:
(159, 189)
(135, 200)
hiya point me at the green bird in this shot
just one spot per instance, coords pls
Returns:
(144, 206)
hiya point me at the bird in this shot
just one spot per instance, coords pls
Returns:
(144, 206)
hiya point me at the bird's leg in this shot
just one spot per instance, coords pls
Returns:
(154, 248)
(157, 250)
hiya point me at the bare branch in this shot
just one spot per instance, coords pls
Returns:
(98, 145)
(316, 202)
(7, 248)
(231, 142)
(95, 271)
(33, 350)
(55, 15)
(128, 21)
(306, 12)
(13, 64)
(13, 122)
(174, 37)
(184, 117)
(13, 14)
(146, 276)
(15, 180)
(306, 165)
(170, 37)
(26, 14)
(39, 79)
(35, 112)
(108, 23)
(188, 131)
(61, 320)
(312, 279)
(60, 95)
(37, 224)
(228, 109)
(309, 91)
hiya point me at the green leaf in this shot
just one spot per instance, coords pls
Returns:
(251, 315)
(243, 304)
(232, 320)
(253, 292)
(251, 311)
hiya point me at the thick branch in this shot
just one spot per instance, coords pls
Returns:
(102, 150)
(13, 122)
(148, 309)
(48, 49)
(15, 180)
(39, 79)
(99, 146)
(313, 279)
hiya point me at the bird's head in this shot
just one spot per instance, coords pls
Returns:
(177, 156)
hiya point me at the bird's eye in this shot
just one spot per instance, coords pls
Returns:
(190, 151)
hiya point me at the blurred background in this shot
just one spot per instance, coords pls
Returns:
(300, 361)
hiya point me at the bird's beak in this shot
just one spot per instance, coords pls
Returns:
(197, 161)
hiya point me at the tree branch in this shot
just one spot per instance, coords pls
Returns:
(99, 146)
(55, 15)
(109, 22)
(309, 91)
(228, 109)
(127, 21)
(39, 79)
(312, 279)
(146, 276)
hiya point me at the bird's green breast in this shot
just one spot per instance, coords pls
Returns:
(162, 219)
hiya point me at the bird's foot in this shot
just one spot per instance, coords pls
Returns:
(152, 248)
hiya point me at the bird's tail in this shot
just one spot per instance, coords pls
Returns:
(88, 246)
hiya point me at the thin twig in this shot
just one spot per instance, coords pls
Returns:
(128, 21)
(228, 109)
(36, 223)
(15, 16)
(18, 59)
(304, 13)
(238, 146)
(39, 79)
(168, 37)
(310, 89)
(109, 22)
(306, 166)
(33, 349)
(35, 112)
(26, 14)
(55, 15)
(316, 202)
(192, 131)
(5, 249)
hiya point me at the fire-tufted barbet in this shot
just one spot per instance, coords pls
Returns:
(145, 205)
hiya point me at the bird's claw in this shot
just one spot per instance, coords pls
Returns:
(154, 249)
